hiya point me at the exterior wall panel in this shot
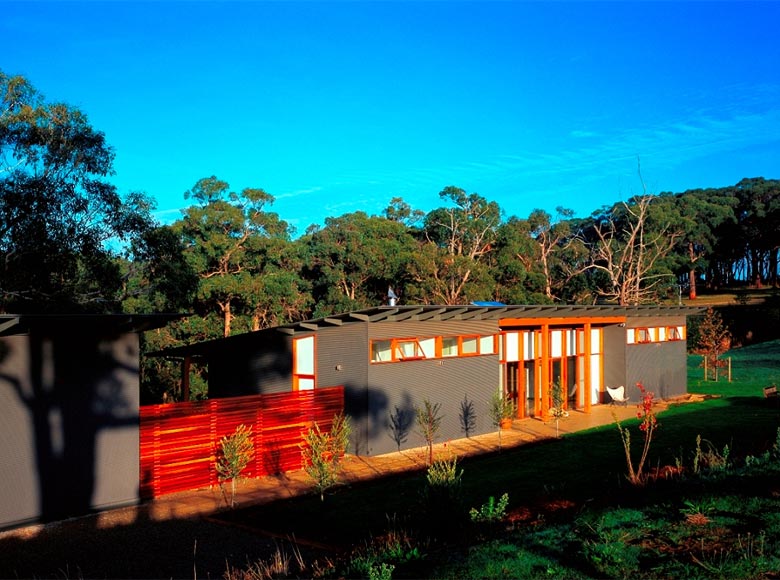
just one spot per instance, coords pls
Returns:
(342, 359)
(260, 363)
(614, 358)
(661, 367)
(450, 382)
(69, 436)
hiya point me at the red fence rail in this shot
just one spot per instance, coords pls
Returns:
(179, 441)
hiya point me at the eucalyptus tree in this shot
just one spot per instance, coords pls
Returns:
(463, 234)
(513, 265)
(436, 277)
(559, 252)
(701, 212)
(354, 259)
(628, 246)
(63, 227)
(400, 211)
(224, 235)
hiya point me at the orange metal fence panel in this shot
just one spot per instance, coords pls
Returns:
(179, 441)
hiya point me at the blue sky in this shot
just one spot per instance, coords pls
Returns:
(334, 107)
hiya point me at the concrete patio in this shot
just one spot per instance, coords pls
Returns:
(204, 502)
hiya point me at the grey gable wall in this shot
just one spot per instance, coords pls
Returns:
(251, 364)
(69, 440)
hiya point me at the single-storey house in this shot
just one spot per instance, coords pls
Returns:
(390, 359)
(69, 399)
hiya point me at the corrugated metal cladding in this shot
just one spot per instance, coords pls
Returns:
(260, 364)
(395, 389)
(614, 358)
(659, 366)
(80, 394)
(421, 329)
(342, 359)
(457, 384)
(654, 321)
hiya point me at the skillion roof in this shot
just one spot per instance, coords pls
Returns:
(420, 313)
(22, 324)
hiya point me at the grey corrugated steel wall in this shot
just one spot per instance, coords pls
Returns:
(342, 359)
(660, 367)
(69, 433)
(614, 357)
(251, 364)
(445, 381)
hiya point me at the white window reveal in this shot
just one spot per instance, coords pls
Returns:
(303, 364)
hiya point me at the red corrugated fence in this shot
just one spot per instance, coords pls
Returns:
(179, 441)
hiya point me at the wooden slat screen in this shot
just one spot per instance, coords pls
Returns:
(179, 441)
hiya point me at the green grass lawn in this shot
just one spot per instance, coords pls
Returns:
(572, 512)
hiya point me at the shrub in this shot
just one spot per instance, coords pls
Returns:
(491, 511)
(428, 423)
(442, 497)
(647, 426)
(233, 456)
(323, 452)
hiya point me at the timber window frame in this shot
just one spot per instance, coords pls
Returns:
(673, 333)
(386, 350)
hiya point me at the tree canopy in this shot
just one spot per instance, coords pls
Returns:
(70, 242)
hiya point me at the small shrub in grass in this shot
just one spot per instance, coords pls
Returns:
(323, 452)
(707, 460)
(443, 496)
(491, 511)
(647, 425)
(697, 513)
(234, 453)
(382, 571)
(428, 422)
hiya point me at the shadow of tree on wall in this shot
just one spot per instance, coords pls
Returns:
(74, 386)
(467, 416)
(400, 421)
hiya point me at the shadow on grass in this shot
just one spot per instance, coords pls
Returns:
(581, 468)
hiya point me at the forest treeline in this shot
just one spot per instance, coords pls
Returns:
(71, 243)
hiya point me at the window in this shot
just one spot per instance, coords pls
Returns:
(487, 344)
(381, 350)
(449, 346)
(673, 333)
(408, 349)
(404, 349)
(643, 335)
(469, 345)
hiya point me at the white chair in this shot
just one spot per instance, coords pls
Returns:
(618, 395)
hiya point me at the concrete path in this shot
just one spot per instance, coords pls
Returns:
(204, 502)
(359, 468)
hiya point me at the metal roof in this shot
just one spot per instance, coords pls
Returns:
(21, 324)
(421, 313)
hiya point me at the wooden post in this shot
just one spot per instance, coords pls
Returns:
(729, 369)
(545, 390)
(705, 368)
(185, 378)
(586, 368)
